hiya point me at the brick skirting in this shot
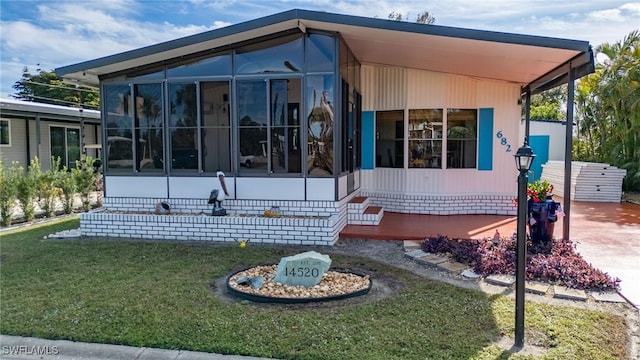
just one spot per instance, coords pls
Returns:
(284, 230)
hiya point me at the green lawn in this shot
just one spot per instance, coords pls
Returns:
(158, 295)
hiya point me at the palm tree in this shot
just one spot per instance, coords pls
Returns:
(608, 107)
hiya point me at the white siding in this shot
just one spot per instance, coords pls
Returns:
(461, 92)
(426, 89)
(384, 88)
(136, 186)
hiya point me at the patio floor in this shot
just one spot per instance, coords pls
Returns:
(606, 234)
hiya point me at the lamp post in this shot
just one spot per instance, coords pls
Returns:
(524, 158)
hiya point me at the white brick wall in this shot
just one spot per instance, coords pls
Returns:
(443, 204)
(318, 231)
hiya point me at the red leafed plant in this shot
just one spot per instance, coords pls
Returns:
(555, 263)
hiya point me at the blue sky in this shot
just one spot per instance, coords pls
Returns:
(58, 33)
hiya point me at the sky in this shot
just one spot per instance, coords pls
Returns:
(54, 33)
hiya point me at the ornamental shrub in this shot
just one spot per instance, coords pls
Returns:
(84, 175)
(48, 191)
(27, 188)
(67, 184)
(8, 189)
(558, 263)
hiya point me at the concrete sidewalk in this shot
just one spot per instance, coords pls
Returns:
(28, 348)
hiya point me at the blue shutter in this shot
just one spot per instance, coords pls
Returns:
(368, 140)
(485, 139)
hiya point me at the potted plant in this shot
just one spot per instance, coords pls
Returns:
(542, 211)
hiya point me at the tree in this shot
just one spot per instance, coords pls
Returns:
(608, 107)
(46, 87)
(548, 104)
(422, 18)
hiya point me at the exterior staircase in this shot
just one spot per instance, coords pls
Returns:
(359, 212)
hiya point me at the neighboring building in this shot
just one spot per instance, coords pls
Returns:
(308, 110)
(547, 140)
(30, 129)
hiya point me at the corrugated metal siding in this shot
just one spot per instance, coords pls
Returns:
(426, 89)
(368, 87)
(461, 92)
(383, 88)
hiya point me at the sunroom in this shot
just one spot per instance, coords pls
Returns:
(320, 113)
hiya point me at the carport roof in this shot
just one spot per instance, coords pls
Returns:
(534, 61)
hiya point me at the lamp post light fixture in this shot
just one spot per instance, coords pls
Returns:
(524, 158)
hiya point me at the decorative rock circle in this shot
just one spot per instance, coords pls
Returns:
(335, 285)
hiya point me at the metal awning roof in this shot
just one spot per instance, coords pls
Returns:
(534, 61)
(31, 110)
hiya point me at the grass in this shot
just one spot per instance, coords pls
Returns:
(158, 295)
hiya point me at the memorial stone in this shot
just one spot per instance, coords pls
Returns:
(304, 269)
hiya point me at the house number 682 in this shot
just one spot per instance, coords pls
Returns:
(503, 141)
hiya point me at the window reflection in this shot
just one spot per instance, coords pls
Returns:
(283, 54)
(425, 138)
(118, 126)
(215, 130)
(320, 100)
(148, 127)
(390, 139)
(253, 122)
(183, 126)
(462, 138)
(320, 52)
(211, 66)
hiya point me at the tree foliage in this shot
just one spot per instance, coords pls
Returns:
(47, 87)
(423, 18)
(608, 110)
(548, 105)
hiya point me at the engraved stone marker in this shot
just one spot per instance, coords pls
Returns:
(304, 269)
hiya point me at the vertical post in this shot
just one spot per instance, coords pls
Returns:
(568, 154)
(527, 114)
(521, 253)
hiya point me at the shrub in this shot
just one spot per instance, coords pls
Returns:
(67, 184)
(557, 264)
(8, 178)
(27, 188)
(85, 177)
(48, 192)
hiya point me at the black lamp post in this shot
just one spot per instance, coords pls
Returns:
(524, 158)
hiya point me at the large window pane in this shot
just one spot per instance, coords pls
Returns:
(183, 126)
(212, 66)
(5, 134)
(148, 128)
(425, 138)
(65, 144)
(320, 53)
(320, 122)
(390, 139)
(215, 130)
(462, 138)
(73, 147)
(277, 55)
(285, 130)
(58, 148)
(119, 127)
(253, 124)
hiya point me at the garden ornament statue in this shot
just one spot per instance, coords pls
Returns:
(218, 195)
